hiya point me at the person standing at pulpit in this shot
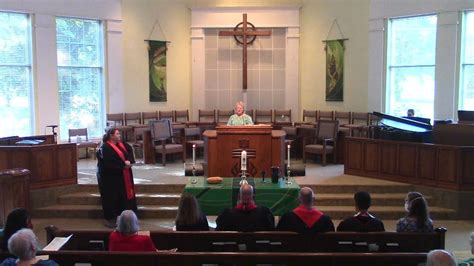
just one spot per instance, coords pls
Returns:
(239, 118)
(115, 177)
(246, 216)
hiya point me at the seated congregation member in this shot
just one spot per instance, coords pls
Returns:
(417, 219)
(306, 219)
(190, 217)
(126, 237)
(246, 216)
(16, 220)
(23, 244)
(362, 221)
(469, 262)
(410, 197)
(439, 257)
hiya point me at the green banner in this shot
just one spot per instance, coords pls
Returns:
(214, 198)
(157, 66)
(335, 70)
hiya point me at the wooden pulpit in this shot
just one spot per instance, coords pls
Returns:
(14, 191)
(222, 149)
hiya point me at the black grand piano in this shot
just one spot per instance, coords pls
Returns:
(401, 129)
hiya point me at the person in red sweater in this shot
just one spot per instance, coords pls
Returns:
(126, 237)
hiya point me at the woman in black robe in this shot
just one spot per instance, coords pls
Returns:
(115, 177)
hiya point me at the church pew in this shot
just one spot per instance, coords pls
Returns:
(269, 241)
(96, 258)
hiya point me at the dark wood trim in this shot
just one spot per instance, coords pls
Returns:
(441, 166)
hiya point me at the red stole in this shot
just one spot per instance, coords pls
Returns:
(246, 207)
(127, 172)
(309, 217)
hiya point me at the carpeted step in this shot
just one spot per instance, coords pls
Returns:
(88, 198)
(385, 212)
(352, 188)
(347, 199)
(95, 211)
(140, 188)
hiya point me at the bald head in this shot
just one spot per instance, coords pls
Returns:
(246, 194)
(306, 196)
(439, 257)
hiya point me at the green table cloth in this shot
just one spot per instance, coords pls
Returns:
(214, 198)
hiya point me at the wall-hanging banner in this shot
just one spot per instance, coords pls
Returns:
(157, 65)
(334, 70)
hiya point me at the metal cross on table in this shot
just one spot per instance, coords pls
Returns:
(247, 37)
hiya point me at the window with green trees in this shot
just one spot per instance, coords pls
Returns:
(16, 104)
(411, 54)
(80, 75)
(466, 91)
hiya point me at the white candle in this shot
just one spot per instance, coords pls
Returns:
(289, 156)
(194, 154)
(243, 161)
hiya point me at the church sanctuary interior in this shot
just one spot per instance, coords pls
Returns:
(339, 96)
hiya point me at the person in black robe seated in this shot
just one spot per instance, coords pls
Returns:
(190, 217)
(306, 219)
(246, 216)
(362, 221)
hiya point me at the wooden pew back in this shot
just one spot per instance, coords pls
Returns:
(97, 258)
(269, 241)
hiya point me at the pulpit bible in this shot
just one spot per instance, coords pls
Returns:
(223, 146)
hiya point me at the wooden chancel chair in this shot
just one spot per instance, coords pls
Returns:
(282, 118)
(166, 115)
(181, 116)
(193, 136)
(263, 116)
(324, 142)
(148, 116)
(81, 138)
(164, 141)
(223, 116)
(359, 124)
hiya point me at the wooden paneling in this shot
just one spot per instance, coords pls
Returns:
(407, 160)
(389, 160)
(446, 164)
(443, 166)
(426, 160)
(468, 166)
(50, 164)
(353, 158)
(43, 160)
(14, 191)
(372, 158)
(268, 145)
(67, 167)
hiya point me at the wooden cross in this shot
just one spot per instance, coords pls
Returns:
(244, 33)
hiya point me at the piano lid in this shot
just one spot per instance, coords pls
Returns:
(403, 123)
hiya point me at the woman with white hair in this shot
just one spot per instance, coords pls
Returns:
(126, 237)
(440, 257)
(239, 118)
(23, 244)
(469, 262)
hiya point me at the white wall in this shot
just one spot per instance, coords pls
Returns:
(43, 14)
(447, 48)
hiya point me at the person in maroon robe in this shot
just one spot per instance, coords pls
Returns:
(362, 221)
(246, 216)
(305, 219)
(115, 177)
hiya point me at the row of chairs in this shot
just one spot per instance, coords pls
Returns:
(126, 119)
(258, 116)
